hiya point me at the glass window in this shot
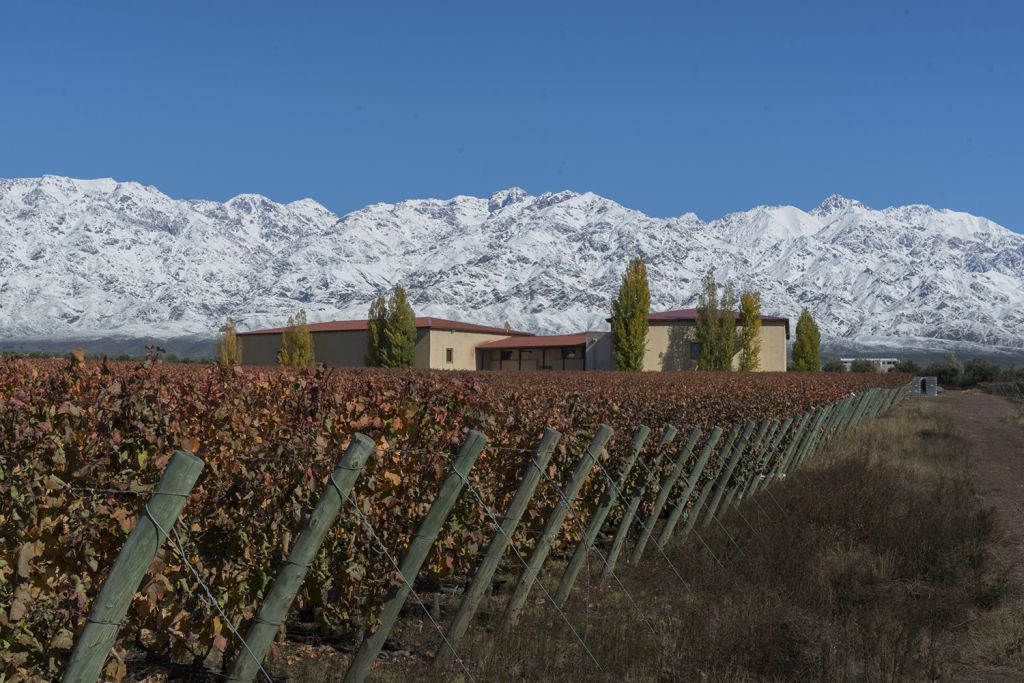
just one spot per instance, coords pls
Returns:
(506, 355)
(695, 350)
(449, 355)
(570, 352)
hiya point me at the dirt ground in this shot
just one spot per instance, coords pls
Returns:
(992, 428)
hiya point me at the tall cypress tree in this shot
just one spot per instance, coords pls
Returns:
(399, 349)
(750, 335)
(296, 343)
(229, 348)
(375, 323)
(726, 327)
(807, 346)
(707, 323)
(629, 317)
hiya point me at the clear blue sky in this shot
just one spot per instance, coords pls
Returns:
(665, 107)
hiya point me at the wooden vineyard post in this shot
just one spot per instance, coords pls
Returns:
(666, 488)
(604, 506)
(811, 437)
(756, 454)
(140, 548)
(709, 485)
(691, 483)
(415, 554)
(554, 523)
(845, 412)
(773, 449)
(786, 461)
(622, 531)
(500, 542)
(723, 479)
(760, 457)
(293, 572)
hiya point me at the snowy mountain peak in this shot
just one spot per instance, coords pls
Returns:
(833, 204)
(499, 200)
(102, 257)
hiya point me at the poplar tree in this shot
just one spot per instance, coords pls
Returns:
(807, 347)
(399, 348)
(296, 343)
(229, 348)
(750, 335)
(726, 327)
(707, 323)
(376, 321)
(629, 317)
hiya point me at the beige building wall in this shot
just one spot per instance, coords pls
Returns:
(668, 346)
(462, 344)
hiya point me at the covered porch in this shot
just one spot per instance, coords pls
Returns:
(557, 352)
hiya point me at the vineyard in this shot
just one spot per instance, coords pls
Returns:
(83, 444)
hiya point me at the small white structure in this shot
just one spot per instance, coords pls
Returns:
(881, 364)
(926, 386)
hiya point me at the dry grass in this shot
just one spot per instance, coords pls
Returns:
(875, 562)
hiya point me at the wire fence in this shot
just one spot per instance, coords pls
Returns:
(724, 485)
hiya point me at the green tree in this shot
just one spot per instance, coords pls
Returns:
(978, 370)
(750, 335)
(376, 321)
(834, 365)
(862, 365)
(726, 327)
(399, 348)
(629, 317)
(296, 343)
(807, 347)
(707, 323)
(229, 348)
(907, 366)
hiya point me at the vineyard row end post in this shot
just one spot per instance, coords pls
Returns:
(691, 484)
(293, 572)
(415, 554)
(110, 607)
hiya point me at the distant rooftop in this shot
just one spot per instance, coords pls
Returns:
(691, 314)
(421, 323)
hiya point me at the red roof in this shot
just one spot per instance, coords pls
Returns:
(537, 342)
(691, 314)
(421, 323)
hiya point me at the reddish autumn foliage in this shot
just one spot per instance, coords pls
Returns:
(269, 438)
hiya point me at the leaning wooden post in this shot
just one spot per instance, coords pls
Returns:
(554, 523)
(709, 485)
(666, 488)
(415, 554)
(604, 506)
(758, 452)
(772, 452)
(691, 483)
(629, 513)
(846, 413)
(760, 460)
(811, 438)
(293, 572)
(786, 463)
(723, 479)
(140, 548)
(500, 542)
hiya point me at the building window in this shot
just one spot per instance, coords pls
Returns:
(506, 355)
(569, 353)
(449, 355)
(694, 350)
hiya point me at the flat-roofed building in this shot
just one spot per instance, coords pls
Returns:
(440, 344)
(580, 351)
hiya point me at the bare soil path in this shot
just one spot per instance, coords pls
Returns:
(991, 426)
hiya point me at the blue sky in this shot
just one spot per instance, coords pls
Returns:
(664, 107)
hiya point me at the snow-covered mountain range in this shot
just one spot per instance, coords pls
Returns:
(88, 258)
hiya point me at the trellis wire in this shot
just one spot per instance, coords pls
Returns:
(494, 520)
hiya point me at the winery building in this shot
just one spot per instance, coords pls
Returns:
(452, 345)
